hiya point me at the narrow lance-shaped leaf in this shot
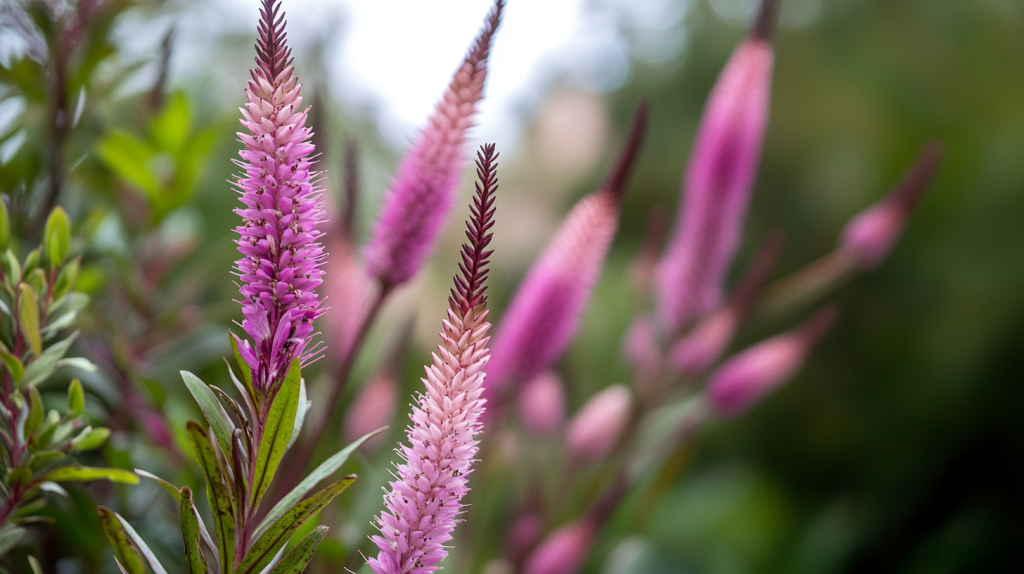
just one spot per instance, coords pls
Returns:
(263, 551)
(195, 561)
(57, 236)
(125, 553)
(327, 468)
(212, 409)
(276, 432)
(299, 556)
(217, 492)
(28, 318)
(151, 559)
(85, 473)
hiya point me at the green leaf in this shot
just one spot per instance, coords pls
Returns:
(44, 366)
(170, 128)
(14, 366)
(10, 536)
(34, 565)
(211, 407)
(90, 439)
(32, 261)
(195, 561)
(300, 555)
(155, 564)
(76, 398)
(128, 157)
(66, 278)
(35, 411)
(28, 317)
(12, 269)
(263, 551)
(217, 492)
(5, 226)
(300, 415)
(57, 236)
(276, 432)
(173, 490)
(37, 279)
(327, 468)
(124, 552)
(86, 473)
(244, 368)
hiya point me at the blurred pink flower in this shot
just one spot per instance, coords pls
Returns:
(349, 289)
(718, 183)
(563, 551)
(754, 372)
(542, 403)
(423, 191)
(640, 346)
(542, 318)
(373, 408)
(426, 497)
(869, 236)
(596, 429)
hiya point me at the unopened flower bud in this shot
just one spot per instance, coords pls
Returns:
(597, 427)
(694, 353)
(542, 403)
(641, 346)
(563, 552)
(870, 236)
(753, 373)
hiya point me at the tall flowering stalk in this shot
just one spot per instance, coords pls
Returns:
(239, 454)
(425, 500)
(278, 236)
(718, 182)
(544, 314)
(423, 192)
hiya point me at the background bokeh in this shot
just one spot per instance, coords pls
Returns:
(899, 447)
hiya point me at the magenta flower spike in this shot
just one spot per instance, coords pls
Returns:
(870, 236)
(753, 373)
(278, 236)
(425, 500)
(718, 182)
(423, 191)
(373, 408)
(542, 318)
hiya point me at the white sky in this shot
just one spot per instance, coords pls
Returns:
(397, 56)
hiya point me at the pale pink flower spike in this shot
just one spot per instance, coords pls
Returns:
(425, 499)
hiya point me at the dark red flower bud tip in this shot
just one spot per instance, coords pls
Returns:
(618, 177)
(764, 24)
(482, 47)
(273, 55)
(912, 188)
(469, 289)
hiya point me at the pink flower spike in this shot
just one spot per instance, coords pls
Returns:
(718, 182)
(426, 498)
(597, 427)
(542, 403)
(423, 191)
(281, 209)
(870, 236)
(373, 408)
(542, 318)
(753, 373)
